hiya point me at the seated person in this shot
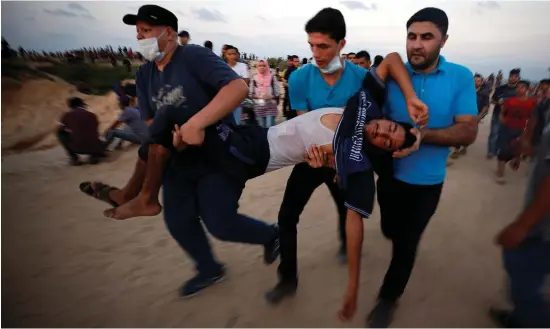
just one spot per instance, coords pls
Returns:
(267, 149)
(134, 130)
(78, 133)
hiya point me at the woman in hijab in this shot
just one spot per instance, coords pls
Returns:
(265, 90)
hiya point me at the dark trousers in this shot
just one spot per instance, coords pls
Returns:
(287, 111)
(214, 197)
(405, 211)
(528, 268)
(64, 138)
(193, 187)
(300, 186)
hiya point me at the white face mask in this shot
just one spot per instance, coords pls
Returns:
(334, 65)
(149, 48)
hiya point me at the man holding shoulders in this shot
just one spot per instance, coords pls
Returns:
(328, 82)
(449, 92)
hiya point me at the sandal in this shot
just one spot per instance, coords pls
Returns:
(101, 192)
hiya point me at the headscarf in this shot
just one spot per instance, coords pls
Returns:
(263, 79)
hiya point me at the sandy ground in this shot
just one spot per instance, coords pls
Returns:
(65, 265)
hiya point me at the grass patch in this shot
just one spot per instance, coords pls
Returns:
(98, 79)
(17, 69)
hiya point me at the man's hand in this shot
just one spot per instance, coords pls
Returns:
(418, 111)
(191, 134)
(316, 158)
(416, 145)
(512, 236)
(526, 147)
(176, 139)
(349, 305)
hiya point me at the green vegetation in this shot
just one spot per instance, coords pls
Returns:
(277, 63)
(98, 79)
(17, 69)
(95, 79)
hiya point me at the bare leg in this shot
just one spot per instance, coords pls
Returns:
(146, 203)
(132, 187)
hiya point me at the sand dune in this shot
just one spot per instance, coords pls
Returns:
(31, 110)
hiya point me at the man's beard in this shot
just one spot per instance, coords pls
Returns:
(432, 58)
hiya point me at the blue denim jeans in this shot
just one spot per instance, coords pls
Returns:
(492, 143)
(238, 114)
(266, 121)
(528, 268)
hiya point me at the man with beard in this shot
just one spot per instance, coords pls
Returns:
(501, 94)
(449, 92)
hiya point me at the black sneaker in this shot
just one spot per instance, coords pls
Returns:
(272, 249)
(342, 255)
(381, 315)
(200, 282)
(502, 318)
(280, 291)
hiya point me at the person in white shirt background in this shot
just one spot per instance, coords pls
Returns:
(232, 59)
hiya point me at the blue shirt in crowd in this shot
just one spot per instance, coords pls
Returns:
(448, 91)
(309, 91)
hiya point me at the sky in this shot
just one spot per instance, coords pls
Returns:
(485, 36)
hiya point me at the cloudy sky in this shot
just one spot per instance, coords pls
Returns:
(483, 35)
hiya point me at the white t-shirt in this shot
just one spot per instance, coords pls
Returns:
(290, 140)
(241, 69)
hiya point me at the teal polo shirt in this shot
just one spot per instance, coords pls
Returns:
(309, 91)
(449, 91)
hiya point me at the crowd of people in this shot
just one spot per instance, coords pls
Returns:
(205, 126)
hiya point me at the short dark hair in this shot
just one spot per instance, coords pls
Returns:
(328, 21)
(183, 33)
(304, 61)
(352, 53)
(377, 60)
(293, 57)
(515, 71)
(410, 138)
(75, 102)
(229, 47)
(477, 75)
(363, 54)
(433, 15)
(524, 82)
(545, 82)
(208, 44)
(124, 100)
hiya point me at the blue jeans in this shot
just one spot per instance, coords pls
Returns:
(212, 197)
(492, 144)
(266, 121)
(528, 268)
(125, 134)
(238, 114)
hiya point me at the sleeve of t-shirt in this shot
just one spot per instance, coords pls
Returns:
(297, 91)
(360, 192)
(376, 87)
(244, 71)
(496, 94)
(208, 67)
(465, 102)
(124, 116)
(143, 98)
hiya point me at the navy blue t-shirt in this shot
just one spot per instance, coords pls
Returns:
(190, 80)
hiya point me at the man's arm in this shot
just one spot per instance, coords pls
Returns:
(297, 93)
(394, 66)
(464, 130)
(526, 138)
(212, 71)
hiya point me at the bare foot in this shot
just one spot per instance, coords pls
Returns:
(134, 208)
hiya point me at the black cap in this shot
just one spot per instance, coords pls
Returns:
(183, 33)
(154, 15)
